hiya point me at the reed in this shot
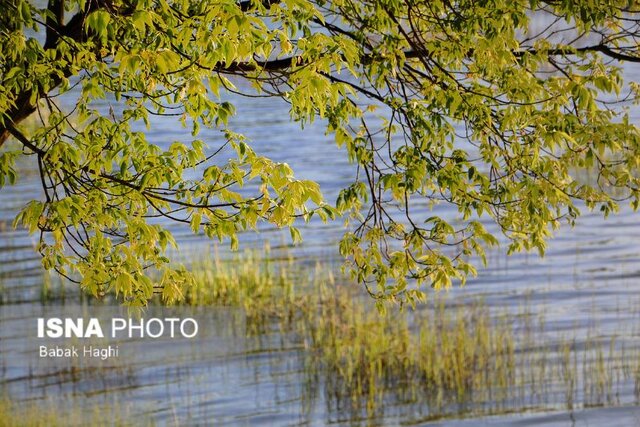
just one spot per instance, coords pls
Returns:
(448, 358)
(445, 358)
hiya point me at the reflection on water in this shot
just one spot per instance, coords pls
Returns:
(321, 354)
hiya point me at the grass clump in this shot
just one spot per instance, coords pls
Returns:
(368, 358)
(249, 280)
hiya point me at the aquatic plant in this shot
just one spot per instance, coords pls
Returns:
(445, 358)
(449, 359)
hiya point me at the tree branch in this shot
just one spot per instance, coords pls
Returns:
(54, 20)
(74, 30)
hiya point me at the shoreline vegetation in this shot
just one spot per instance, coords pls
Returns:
(444, 359)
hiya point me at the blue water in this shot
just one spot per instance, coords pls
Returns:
(587, 282)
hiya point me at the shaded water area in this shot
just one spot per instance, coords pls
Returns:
(563, 332)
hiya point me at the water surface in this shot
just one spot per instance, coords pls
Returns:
(585, 286)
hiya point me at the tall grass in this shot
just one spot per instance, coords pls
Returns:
(445, 358)
(442, 357)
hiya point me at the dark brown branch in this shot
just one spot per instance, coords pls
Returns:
(601, 48)
(246, 5)
(11, 130)
(55, 32)
(55, 19)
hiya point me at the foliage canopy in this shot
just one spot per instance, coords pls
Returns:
(495, 107)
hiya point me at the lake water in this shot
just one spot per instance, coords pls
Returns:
(586, 285)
